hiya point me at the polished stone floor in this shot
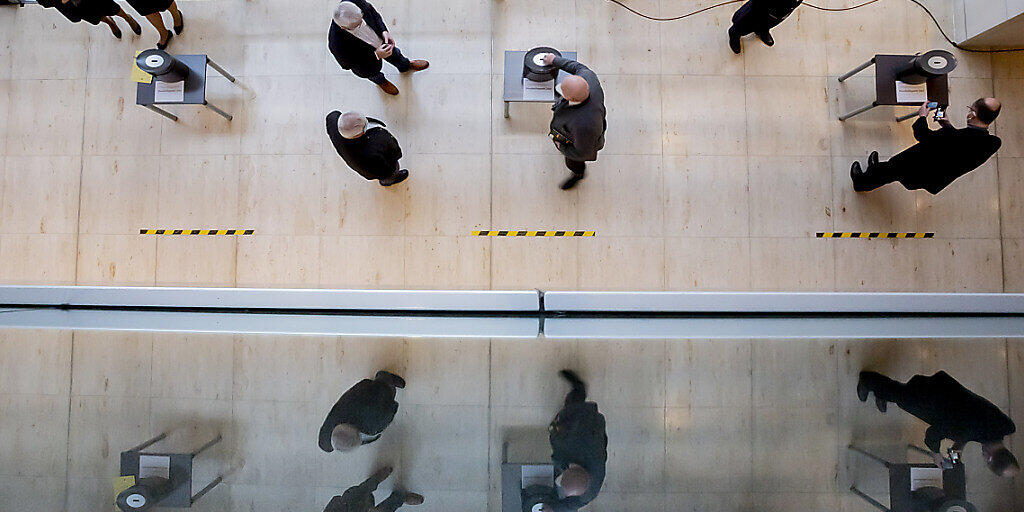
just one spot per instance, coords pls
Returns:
(693, 425)
(717, 171)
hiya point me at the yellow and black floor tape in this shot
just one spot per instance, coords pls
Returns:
(857, 234)
(196, 231)
(533, 233)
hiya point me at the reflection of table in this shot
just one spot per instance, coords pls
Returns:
(514, 488)
(180, 472)
(195, 88)
(901, 498)
(886, 69)
(513, 91)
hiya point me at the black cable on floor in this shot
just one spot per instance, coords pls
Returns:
(828, 9)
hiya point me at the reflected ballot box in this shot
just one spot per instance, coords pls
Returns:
(527, 475)
(910, 486)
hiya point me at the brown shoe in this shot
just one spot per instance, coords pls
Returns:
(389, 88)
(412, 498)
(419, 65)
(383, 473)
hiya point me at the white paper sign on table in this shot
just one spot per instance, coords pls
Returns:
(166, 92)
(911, 93)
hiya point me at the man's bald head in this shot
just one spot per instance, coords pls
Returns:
(574, 481)
(345, 438)
(986, 110)
(352, 125)
(575, 89)
(348, 15)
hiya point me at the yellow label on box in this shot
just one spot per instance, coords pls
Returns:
(138, 75)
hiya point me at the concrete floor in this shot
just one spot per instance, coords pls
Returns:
(701, 426)
(717, 171)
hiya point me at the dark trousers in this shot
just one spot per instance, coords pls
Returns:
(746, 21)
(396, 59)
(578, 394)
(577, 167)
(884, 388)
(882, 173)
(360, 498)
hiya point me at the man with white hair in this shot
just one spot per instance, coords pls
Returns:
(359, 40)
(578, 125)
(579, 448)
(373, 152)
(360, 497)
(361, 414)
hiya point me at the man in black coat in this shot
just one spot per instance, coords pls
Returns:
(359, 40)
(579, 448)
(940, 156)
(758, 17)
(361, 414)
(951, 411)
(578, 123)
(372, 153)
(360, 497)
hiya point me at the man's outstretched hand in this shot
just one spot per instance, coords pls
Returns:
(549, 58)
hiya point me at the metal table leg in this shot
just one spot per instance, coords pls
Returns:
(900, 119)
(214, 108)
(219, 69)
(860, 110)
(506, 109)
(857, 69)
(868, 499)
(149, 443)
(868, 455)
(208, 488)
(203, 448)
(162, 112)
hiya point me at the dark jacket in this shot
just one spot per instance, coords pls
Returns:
(953, 412)
(354, 53)
(374, 156)
(369, 406)
(941, 156)
(764, 14)
(92, 11)
(582, 124)
(577, 436)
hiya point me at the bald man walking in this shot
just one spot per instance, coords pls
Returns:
(359, 41)
(579, 448)
(578, 123)
(372, 152)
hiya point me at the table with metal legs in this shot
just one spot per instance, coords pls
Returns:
(195, 88)
(887, 69)
(901, 476)
(180, 471)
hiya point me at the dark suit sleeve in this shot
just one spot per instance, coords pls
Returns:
(933, 439)
(372, 17)
(921, 130)
(332, 129)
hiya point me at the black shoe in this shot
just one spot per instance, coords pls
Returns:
(767, 38)
(571, 182)
(735, 45)
(116, 31)
(137, 29)
(163, 45)
(179, 28)
(881, 404)
(862, 390)
(395, 380)
(873, 159)
(395, 179)
(855, 171)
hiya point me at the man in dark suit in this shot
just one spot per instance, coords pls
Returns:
(361, 414)
(579, 448)
(372, 153)
(940, 156)
(951, 411)
(360, 497)
(758, 17)
(578, 123)
(359, 40)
